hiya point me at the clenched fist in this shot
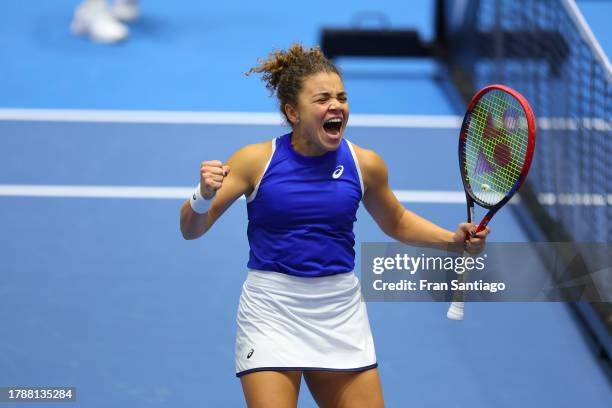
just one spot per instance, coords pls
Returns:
(212, 174)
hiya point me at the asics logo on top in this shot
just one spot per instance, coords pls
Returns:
(338, 172)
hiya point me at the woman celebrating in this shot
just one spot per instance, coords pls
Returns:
(300, 310)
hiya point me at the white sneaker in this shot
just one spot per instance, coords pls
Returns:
(94, 19)
(126, 10)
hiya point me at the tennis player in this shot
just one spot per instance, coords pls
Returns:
(300, 310)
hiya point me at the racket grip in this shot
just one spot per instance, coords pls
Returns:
(483, 224)
(455, 311)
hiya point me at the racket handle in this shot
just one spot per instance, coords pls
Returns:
(455, 311)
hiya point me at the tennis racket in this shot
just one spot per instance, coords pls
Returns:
(496, 145)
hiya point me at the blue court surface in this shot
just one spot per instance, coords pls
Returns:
(103, 293)
(99, 291)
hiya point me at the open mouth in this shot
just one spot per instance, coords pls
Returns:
(333, 126)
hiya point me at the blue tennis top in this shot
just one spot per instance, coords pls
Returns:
(301, 214)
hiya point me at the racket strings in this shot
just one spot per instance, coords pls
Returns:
(495, 147)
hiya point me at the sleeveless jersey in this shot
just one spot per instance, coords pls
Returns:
(301, 214)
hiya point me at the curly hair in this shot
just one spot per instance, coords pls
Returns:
(284, 72)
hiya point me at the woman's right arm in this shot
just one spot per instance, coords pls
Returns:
(242, 169)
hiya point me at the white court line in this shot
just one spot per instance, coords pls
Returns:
(138, 192)
(70, 191)
(173, 193)
(428, 196)
(215, 118)
(269, 118)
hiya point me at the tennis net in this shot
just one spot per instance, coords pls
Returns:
(545, 50)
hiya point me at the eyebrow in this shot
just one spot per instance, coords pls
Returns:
(328, 94)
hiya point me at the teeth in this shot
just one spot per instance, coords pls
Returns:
(334, 120)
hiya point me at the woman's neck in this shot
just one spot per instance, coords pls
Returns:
(304, 146)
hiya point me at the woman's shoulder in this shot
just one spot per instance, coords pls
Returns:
(253, 153)
(370, 162)
(249, 161)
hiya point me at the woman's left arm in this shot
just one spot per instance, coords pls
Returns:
(396, 221)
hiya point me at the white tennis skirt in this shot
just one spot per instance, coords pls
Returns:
(292, 323)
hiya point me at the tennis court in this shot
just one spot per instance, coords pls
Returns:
(100, 292)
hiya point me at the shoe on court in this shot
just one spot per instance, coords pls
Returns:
(94, 19)
(126, 10)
